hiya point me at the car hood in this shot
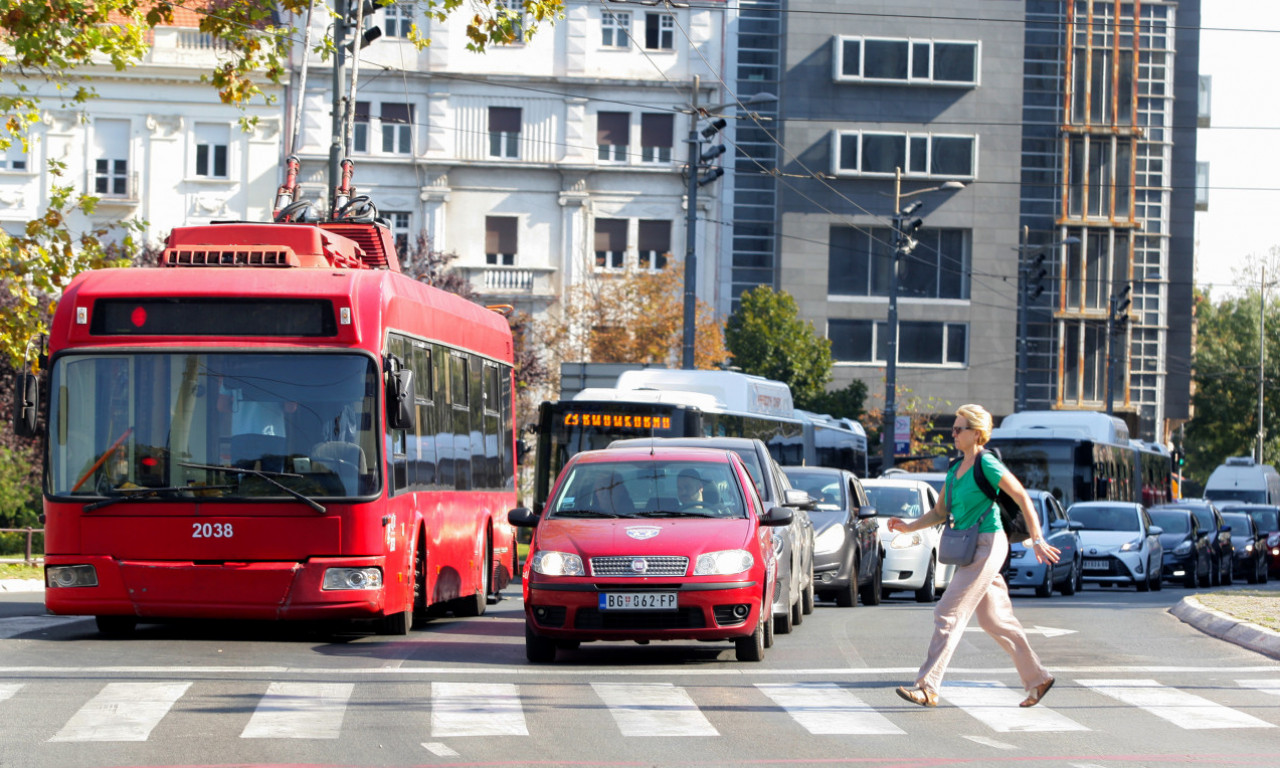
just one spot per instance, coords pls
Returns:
(1104, 541)
(688, 537)
(827, 518)
(1171, 540)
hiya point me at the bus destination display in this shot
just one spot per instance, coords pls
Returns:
(645, 423)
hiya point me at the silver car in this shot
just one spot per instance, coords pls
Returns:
(1120, 543)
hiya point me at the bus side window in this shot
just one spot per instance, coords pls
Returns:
(425, 470)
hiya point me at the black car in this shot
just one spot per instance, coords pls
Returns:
(1221, 550)
(1267, 518)
(846, 545)
(1186, 546)
(1251, 547)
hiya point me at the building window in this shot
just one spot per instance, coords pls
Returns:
(613, 134)
(1099, 168)
(864, 153)
(399, 19)
(656, 137)
(14, 158)
(919, 343)
(399, 221)
(514, 9)
(1202, 186)
(615, 29)
(111, 157)
(360, 128)
(925, 62)
(655, 244)
(211, 150)
(504, 132)
(659, 31)
(859, 263)
(397, 128)
(500, 240)
(611, 244)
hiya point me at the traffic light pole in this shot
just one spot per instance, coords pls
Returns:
(339, 53)
(888, 428)
(691, 236)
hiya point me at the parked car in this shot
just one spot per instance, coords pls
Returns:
(795, 596)
(1267, 518)
(847, 561)
(1024, 571)
(910, 559)
(615, 556)
(1221, 549)
(1186, 546)
(936, 479)
(1251, 547)
(1121, 545)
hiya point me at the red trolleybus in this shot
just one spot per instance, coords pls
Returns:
(275, 424)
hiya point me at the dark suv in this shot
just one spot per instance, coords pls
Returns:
(794, 598)
(1221, 550)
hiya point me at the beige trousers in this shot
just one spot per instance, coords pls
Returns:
(979, 588)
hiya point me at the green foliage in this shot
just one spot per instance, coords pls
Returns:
(847, 403)
(766, 337)
(19, 488)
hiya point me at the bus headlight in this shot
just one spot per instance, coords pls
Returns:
(56, 576)
(549, 563)
(829, 540)
(725, 563)
(352, 578)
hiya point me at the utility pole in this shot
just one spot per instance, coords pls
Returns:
(1029, 274)
(691, 236)
(339, 103)
(1262, 356)
(1117, 313)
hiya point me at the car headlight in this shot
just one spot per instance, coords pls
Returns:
(829, 540)
(724, 563)
(1130, 546)
(550, 563)
(1183, 548)
(1248, 548)
(906, 540)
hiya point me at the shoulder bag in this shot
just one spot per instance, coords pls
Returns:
(958, 545)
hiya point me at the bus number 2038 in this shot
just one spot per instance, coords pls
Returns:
(211, 531)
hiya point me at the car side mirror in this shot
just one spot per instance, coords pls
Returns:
(1155, 530)
(794, 497)
(1057, 525)
(867, 511)
(522, 517)
(400, 406)
(26, 404)
(777, 516)
(1073, 525)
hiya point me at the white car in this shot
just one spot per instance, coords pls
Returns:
(1120, 544)
(910, 559)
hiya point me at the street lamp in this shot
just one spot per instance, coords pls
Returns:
(696, 158)
(904, 229)
(1028, 273)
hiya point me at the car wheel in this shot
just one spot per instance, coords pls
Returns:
(768, 630)
(751, 647)
(848, 596)
(1045, 588)
(1192, 578)
(1144, 584)
(538, 649)
(807, 599)
(1215, 572)
(872, 592)
(1203, 581)
(1069, 586)
(474, 605)
(782, 621)
(926, 592)
(1252, 576)
(1263, 575)
(1231, 573)
(797, 612)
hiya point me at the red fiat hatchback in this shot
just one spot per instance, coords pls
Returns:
(651, 543)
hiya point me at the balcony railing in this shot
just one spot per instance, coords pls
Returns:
(491, 280)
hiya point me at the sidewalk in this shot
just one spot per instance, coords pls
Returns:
(21, 585)
(1225, 626)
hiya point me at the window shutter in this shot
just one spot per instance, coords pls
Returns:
(656, 130)
(500, 234)
(613, 128)
(397, 113)
(504, 119)
(655, 235)
(611, 234)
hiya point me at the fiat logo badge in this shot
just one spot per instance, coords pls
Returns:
(642, 533)
(639, 565)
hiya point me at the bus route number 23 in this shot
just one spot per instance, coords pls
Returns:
(211, 531)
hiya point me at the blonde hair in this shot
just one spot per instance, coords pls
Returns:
(979, 419)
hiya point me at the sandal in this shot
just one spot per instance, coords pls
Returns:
(1037, 693)
(917, 695)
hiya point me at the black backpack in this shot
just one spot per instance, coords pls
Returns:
(1015, 525)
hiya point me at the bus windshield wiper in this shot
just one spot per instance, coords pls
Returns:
(583, 513)
(130, 494)
(267, 475)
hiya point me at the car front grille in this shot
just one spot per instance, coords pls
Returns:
(684, 618)
(652, 566)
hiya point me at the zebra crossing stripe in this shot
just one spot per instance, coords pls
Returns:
(299, 711)
(476, 709)
(8, 689)
(653, 709)
(122, 712)
(828, 709)
(1185, 710)
(996, 706)
(1266, 686)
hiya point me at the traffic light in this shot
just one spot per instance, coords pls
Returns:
(1120, 307)
(355, 14)
(907, 228)
(1037, 274)
(707, 171)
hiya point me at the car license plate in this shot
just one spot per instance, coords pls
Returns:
(1095, 565)
(638, 601)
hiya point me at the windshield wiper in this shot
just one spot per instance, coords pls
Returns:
(267, 475)
(129, 494)
(584, 513)
(674, 513)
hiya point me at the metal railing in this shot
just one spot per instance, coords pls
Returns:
(31, 532)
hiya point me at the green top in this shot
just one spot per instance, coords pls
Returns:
(966, 500)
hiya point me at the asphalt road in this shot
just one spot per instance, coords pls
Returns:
(1136, 687)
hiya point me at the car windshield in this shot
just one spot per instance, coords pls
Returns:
(648, 489)
(895, 502)
(824, 488)
(1171, 520)
(1205, 518)
(1106, 518)
(1238, 521)
(1235, 494)
(1267, 520)
(213, 425)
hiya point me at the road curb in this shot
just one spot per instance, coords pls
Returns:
(1225, 627)
(21, 585)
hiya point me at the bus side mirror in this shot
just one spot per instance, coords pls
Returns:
(26, 404)
(400, 397)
